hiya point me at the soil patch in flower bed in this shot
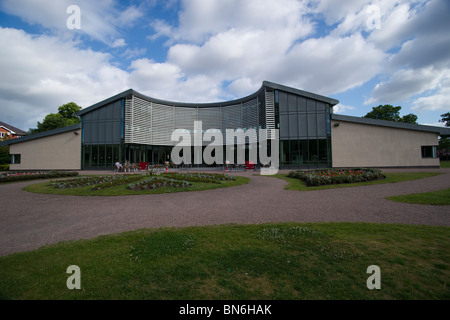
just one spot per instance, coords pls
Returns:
(320, 177)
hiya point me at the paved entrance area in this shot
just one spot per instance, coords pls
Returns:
(29, 221)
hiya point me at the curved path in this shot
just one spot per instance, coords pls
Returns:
(29, 221)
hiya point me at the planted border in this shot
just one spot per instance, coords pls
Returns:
(158, 182)
(319, 177)
(97, 182)
(201, 177)
(30, 175)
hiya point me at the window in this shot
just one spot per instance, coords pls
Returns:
(429, 151)
(15, 158)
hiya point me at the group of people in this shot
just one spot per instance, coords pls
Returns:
(125, 167)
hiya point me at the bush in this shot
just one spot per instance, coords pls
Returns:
(4, 167)
(320, 177)
(29, 175)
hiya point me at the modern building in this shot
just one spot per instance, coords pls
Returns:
(132, 126)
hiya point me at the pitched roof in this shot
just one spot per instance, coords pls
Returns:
(442, 131)
(12, 129)
(41, 134)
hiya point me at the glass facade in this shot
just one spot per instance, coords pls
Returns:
(305, 131)
(138, 129)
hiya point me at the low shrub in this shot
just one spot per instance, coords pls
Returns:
(320, 177)
(29, 175)
(4, 167)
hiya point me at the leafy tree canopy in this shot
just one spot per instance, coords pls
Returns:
(63, 118)
(445, 118)
(390, 113)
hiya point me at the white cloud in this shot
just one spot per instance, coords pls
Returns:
(330, 64)
(438, 101)
(419, 69)
(119, 43)
(224, 49)
(100, 20)
(404, 84)
(167, 81)
(33, 85)
(436, 124)
(201, 19)
(342, 108)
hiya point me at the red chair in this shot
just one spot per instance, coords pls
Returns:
(250, 165)
(143, 166)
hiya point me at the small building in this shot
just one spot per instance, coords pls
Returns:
(57, 149)
(134, 127)
(10, 132)
(363, 142)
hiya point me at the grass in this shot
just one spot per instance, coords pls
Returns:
(269, 261)
(121, 190)
(437, 198)
(391, 177)
(445, 163)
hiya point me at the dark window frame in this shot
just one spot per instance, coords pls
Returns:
(429, 152)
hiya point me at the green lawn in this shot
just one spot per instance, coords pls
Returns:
(268, 261)
(391, 177)
(438, 198)
(121, 190)
(445, 163)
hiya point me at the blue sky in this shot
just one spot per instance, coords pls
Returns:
(363, 53)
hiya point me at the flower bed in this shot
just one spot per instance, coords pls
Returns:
(201, 177)
(97, 182)
(320, 177)
(29, 175)
(158, 182)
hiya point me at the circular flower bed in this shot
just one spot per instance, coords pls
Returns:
(157, 182)
(200, 177)
(97, 182)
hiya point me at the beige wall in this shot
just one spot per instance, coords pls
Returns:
(363, 145)
(57, 152)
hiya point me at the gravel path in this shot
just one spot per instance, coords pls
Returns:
(29, 221)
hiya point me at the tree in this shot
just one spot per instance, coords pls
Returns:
(409, 118)
(5, 158)
(444, 142)
(390, 113)
(445, 119)
(65, 117)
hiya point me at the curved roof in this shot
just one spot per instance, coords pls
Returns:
(265, 84)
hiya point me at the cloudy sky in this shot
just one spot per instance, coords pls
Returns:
(363, 53)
